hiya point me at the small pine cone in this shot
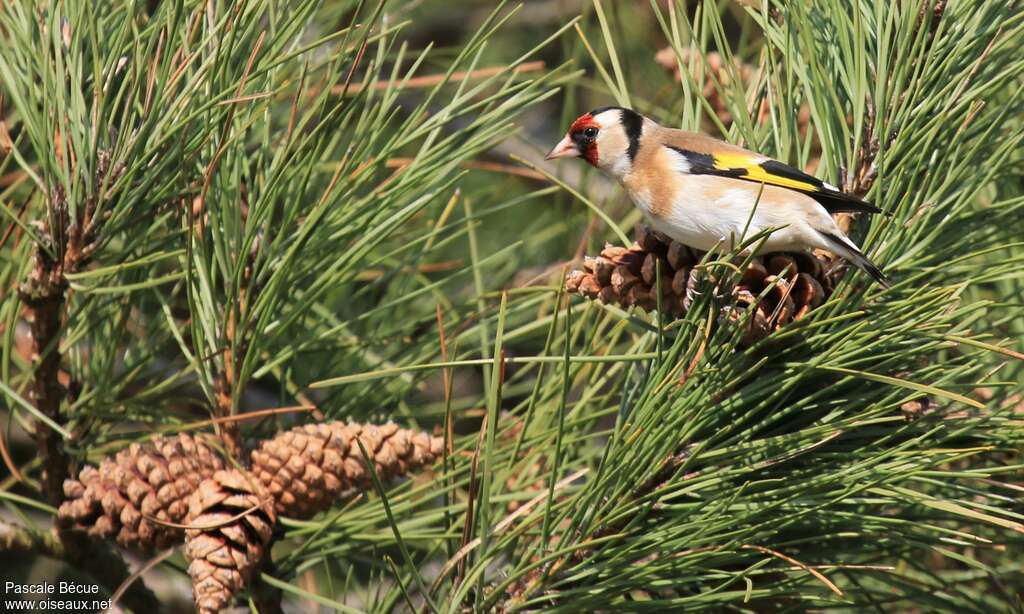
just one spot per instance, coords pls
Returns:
(781, 299)
(632, 258)
(808, 293)
(649, 240)
(574, 280)
(754, 276)
(231, 520)
(792, 284)
(757, 327)
(623, 279)
(653, 265)
(782, 265)
(115, 500)
(306, 468)
(679, 256)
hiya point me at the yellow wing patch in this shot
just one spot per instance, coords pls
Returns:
(774, 174)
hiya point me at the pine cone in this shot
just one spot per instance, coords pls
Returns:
(154, 481)
(231, 519)
(306, 468)
(627, 277)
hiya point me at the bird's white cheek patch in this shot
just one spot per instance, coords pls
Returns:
(620, 166)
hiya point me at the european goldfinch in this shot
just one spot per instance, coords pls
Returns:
(702, 192)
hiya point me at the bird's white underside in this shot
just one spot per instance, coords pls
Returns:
(709, 211)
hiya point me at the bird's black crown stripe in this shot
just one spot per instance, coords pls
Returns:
(704, 164)
(600, 110)
(634, 126)
(632, 123)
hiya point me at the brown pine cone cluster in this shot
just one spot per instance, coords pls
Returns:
(118, 499)
(628, 277)
(306, 468)
(231, 520)
(150, 497)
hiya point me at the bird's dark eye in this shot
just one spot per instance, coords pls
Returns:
(590, 132)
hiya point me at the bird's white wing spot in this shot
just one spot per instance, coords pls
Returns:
(677, 161)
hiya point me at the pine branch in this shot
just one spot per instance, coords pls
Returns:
(43, 297)
(93, 558)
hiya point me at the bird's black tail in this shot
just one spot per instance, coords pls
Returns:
(845, 248)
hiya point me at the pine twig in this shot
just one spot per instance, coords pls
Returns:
(43, 295)
(92, 557)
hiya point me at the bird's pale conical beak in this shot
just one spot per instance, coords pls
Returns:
(565, 149)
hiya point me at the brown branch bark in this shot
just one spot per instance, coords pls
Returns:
(267, 598)
(93, 558)
(226, 379)
(43, 297)
(69, 244)
(229, 431)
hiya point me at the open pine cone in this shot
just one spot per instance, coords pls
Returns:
(306, 468)
(115, 499)
(628, 277)
(143, 496)
(231, 519)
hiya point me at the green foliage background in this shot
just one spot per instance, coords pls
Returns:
(280, 198)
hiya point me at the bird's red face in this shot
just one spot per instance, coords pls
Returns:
(580, 141)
